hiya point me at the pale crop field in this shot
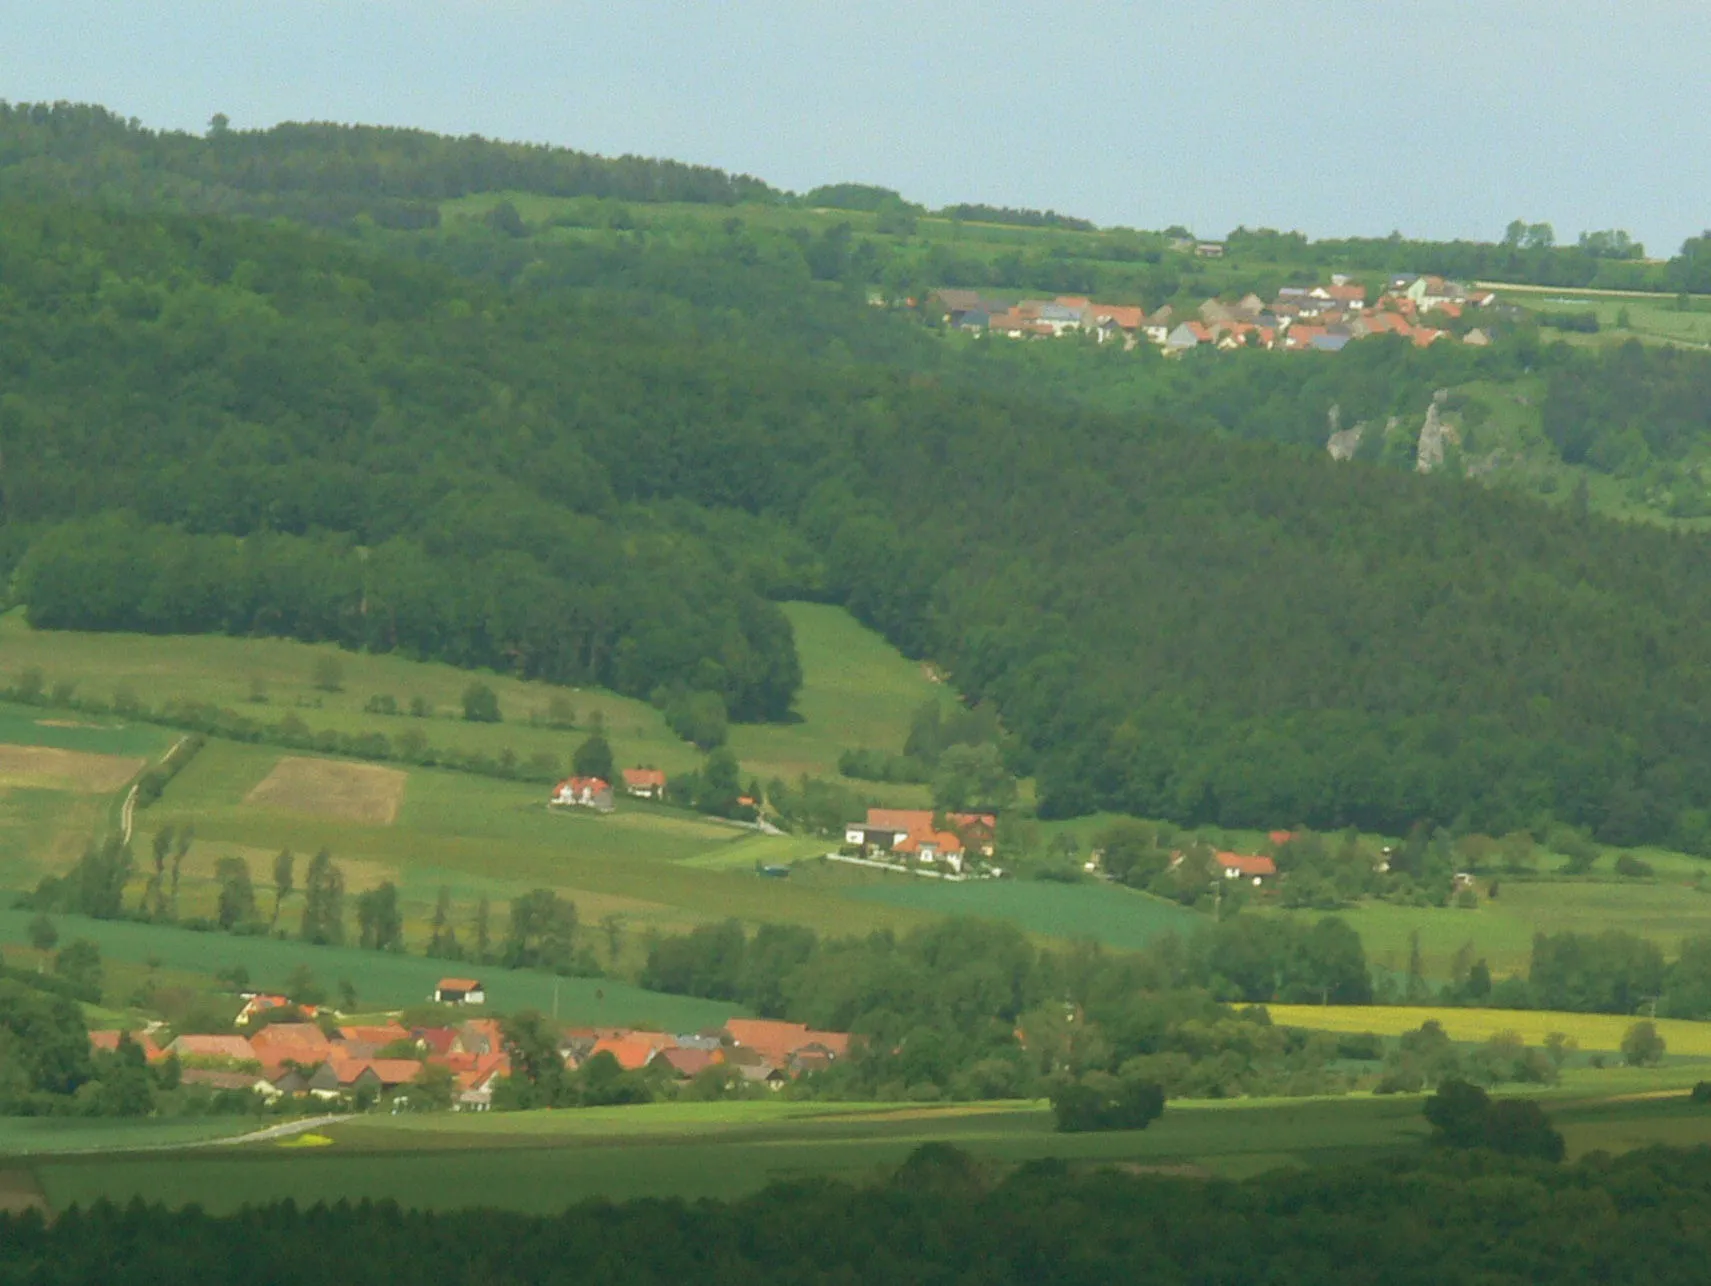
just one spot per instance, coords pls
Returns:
(1597, 1032)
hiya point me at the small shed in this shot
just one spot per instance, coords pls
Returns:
(460, 991)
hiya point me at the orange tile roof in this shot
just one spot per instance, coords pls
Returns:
(236, 1048)
(1129, 317)
(632, 1051)
(282, 1043)
(382, 1035)
(1246, 865)
(777, 1041)
(688, 1062)
(644, 779)
(458, 984)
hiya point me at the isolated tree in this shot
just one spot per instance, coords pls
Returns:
(284, 880)
(329, 674)
(44, 936)
(538, 1077)
(593, 758)
(347, 995)
(237, 892)
(483, 931)
(323, 901)
(721, 783)
(442, 941)
(542, 933)
(380, 923)
(154, 895)
(612, 925)
(79, 963)
(302, 988)
(1643, 1045)
(180, 849)
(480, 704)
(560, 712)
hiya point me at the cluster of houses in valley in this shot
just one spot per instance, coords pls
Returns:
(324, 1061)
(1320, 318)
(597, 793)
(757, 1051)
(919, 836)
(333, 1062)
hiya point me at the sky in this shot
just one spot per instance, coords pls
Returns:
(1333, 117)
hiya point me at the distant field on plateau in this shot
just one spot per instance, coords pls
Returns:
(857, 690)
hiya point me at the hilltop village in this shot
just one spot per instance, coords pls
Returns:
(1321, 318)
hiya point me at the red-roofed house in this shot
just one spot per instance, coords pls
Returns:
(633, 1050)
(108, 1042)
(280, 1043)
(644, 783)
(912, 833)
(583, 792)
(1281, 838)
(375, 1073)
(686, 1063)
(215, 1049)
(436, 1040)
(1238, 866)
(1127, 316)
(259, 1004)
(379, 1037)
(776, 1041)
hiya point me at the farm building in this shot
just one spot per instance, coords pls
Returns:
(584, 792)
(1237, 866)
(644, 783)
(913, 833)
(460, 991)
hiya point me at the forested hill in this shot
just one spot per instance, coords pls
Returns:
(319, 173)
(224, 425)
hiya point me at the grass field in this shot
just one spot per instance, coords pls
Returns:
(543, 1161)
(505, 1162)
(382, 979)
(1115, 917)
(1501, 930)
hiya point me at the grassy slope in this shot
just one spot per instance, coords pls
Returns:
(857, 691)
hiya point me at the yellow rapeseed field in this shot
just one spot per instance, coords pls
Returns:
(1589, 1031)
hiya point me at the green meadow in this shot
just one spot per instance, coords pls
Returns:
(383, 980)
(1116, 917)
(544, 1161)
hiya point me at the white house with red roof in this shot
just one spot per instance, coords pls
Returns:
(583, 792)
(644, 783)
(918, 834)
(1241, 866)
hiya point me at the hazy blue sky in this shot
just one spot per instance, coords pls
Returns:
(1440, 119)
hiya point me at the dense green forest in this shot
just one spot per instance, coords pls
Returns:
(1447, 1214)
(320, 173)
(317, 440)
(597, 461)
